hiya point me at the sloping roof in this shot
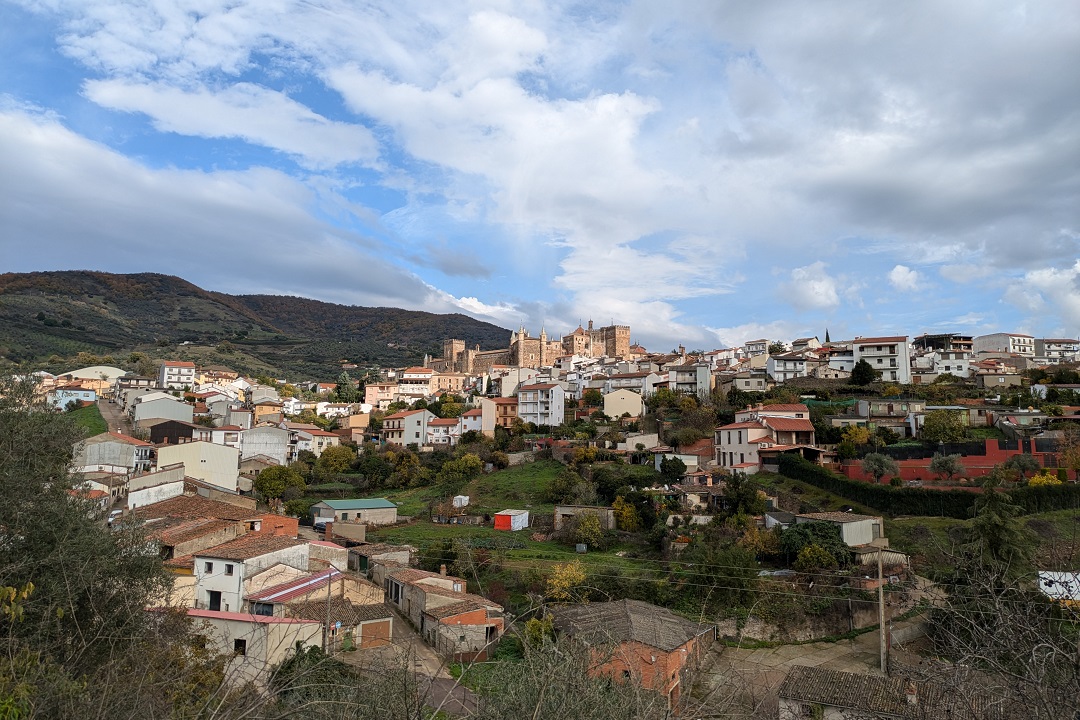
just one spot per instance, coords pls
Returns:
(298, 587)
(413, 575)
(746, 425)
(785, 424)
(249, 546)
(174, 530)
(784, 407)
(359, 504)
(441, 422)
(447, 611)
(627, 620)
(837, 516)
(341, 610)
(188, 506)
(883, 696)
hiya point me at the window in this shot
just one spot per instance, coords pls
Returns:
(265, 609)
(344, 516)
(239, 646)
(208, 567)
(228, 569)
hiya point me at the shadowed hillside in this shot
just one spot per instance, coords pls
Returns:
(62, 313)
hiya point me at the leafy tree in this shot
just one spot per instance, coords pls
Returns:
(857, 434)
(565, 581)
(742, 496)
(822, 534)
(862, 373)
(593, 398)
(672, 469)
(943, 426)
(996, 536)
(948, 466)
(336, 459)
(1023, 464)
(626, 515)
(272, 482)
(878, 466)
(455, 474)
(777, 348)
(588, 530)
(813, 558)
(346, 391)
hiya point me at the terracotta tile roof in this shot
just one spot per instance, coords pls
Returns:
(785, 424)
(538, 386)
(463, 596)
(448, 422)
(418, 370)
(187, 506)
(250, 546)
(746, 425)
(402, 414)
(628, 620)
(472, 413)
(879, 696)
(179, 364)
(129, 440)
(412, 575)
(780, 407)
(505, 401)
(173, 531)
(342, 610)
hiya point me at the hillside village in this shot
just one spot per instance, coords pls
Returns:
(352, 515)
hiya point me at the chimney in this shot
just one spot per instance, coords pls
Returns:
(912, 693)
(442, 570)
(329, 532)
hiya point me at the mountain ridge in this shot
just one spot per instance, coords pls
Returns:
(47, 314)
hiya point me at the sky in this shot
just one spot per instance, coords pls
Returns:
(708, 172)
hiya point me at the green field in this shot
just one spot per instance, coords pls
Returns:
(89, 418)
(808, 497)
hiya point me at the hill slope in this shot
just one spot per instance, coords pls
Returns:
(66, 312)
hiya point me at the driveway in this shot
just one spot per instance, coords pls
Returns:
(114, 417)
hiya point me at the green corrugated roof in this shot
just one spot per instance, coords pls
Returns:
(360, 504)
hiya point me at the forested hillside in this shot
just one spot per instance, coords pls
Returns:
(48, 314)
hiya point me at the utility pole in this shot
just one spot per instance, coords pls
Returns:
(881, 615)
(327, 645)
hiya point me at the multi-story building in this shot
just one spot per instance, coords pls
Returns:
(890, 357)
(541, 404)
(443, 432)
(1057, 350)
(1011, 343)
(949, 342)
(415, 382)
(408, 427)
(782, 368)
(738, 444)
(176, 375)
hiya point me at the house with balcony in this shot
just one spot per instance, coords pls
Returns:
(763, 432)
(1057, 350)
(408, 427)
(541, 404)
(176, 375)
(786, 366)
(443, 432)
(691, 378)
(890, 357)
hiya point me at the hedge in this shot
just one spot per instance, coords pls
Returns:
(921, 501)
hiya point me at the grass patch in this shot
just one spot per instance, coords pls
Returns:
(985, 433)
(89, 418)
(793, 492)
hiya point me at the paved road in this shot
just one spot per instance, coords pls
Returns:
(114, 418)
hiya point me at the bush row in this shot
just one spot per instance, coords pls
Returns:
(922, 501)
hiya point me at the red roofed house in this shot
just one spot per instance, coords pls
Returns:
(774, 428)
(176, 375)
(220, 570)
(443, 432)
(408, 427)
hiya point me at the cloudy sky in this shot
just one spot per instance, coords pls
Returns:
(707, 172)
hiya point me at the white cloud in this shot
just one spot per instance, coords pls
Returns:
(245, 111)
(1055, 291)
(811, 287)
(904, 278)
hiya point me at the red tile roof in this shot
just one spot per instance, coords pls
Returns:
(249, 546)
(796, 407)
(448, 422)
(179, 364)
(871, 340)
(748, 425)
(129, 440)
(789, 424)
